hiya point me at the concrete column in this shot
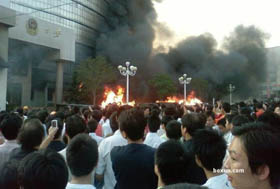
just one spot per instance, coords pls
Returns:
(59, 82)
(26, 87)
(3, 71)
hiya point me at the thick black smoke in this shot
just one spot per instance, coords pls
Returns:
(131, 35)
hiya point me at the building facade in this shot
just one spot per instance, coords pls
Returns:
(49, 38)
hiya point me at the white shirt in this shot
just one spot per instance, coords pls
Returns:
(153, 140)
(5, 150)
(98, 139)
(164, 137)
(218, 182)
(79, 186)
(228, 137)
(106, 128)
(104, 165)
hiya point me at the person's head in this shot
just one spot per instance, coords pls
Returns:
(8, 175)
(210, 119)
(132, 124)
(255, 150)
(171, 163)
(229, 118)
(113, 121)
(10, 126)
(209, 148)
(192, 122)
(42, 115)
(92, 125)
(96, 114)
(31, 134)
(154, 121)
(239, 120)
(75, 125)
(271, 119)
(222, 125)
(173, 130)
(170, 111)
(165, 119)
(277, 110)
(82, 155)
(259, 106)
(226, 107)
(43, 169)
(59, 126)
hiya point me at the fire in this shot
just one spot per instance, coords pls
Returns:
(114, 98)
(191, 100)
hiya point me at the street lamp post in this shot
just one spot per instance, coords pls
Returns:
(184, 80)
(127, 71)
(231, 88)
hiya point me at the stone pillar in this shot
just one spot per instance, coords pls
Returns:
(26, 87)
(59, 82)
(3, 70)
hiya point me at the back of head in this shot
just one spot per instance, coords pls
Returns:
(239, 120)
(133, 123)
(92, 125)
(259, 106)
(8, 175)
(42, 115)
(97, 115)
(226, 107)
(193, 122)
(154, 121)
(184, 186)
(31, 134)
(171, 163)
(82, 155)
(222, 122)
(114, 122)
(170, 111)
(271, 119)
(43, 169)
(75, 125)
(166, 118)
(173, 130)
(210, 148)
(261, 145)
(10, 126)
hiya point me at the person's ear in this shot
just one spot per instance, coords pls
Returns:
(263, 172)
(198, 162)
(124, 134)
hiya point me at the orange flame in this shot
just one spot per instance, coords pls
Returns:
(112, 98)
(191, 100)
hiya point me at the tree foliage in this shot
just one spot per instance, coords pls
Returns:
(94, 73)
(163, 86)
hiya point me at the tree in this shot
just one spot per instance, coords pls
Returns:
(93, 73)
(163, 85)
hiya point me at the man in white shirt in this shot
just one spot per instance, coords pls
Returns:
(152, 139)
(210, 148)
(92, 126)
(10, 127)
(82, 156)
(104, 166)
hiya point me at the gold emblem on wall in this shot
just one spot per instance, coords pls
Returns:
(32, 26)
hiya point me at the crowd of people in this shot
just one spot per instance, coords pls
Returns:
(149, 146)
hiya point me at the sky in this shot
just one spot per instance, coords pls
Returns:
(219, 17)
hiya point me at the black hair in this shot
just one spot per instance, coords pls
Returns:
(229, 117)
(20, 111)
(171, 162)
(114, 122)
(173, 130)
(166, 118)
(59, 126)
(133, 123)
(271, 119)
(262, 148)
(154, 121)
(10, 126)
(259, 105)
(184, 186)
(170, 111)
(42, 115)
(75, 125)
(239, 120)
(43, 169)
(210, 148)
(226, 107)
(193, 122)
(210, 114)
(96, 114)
(8, 175)
(111, 109)
(82, 155)
(92, 125)
(31, 134)
(222, 122)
